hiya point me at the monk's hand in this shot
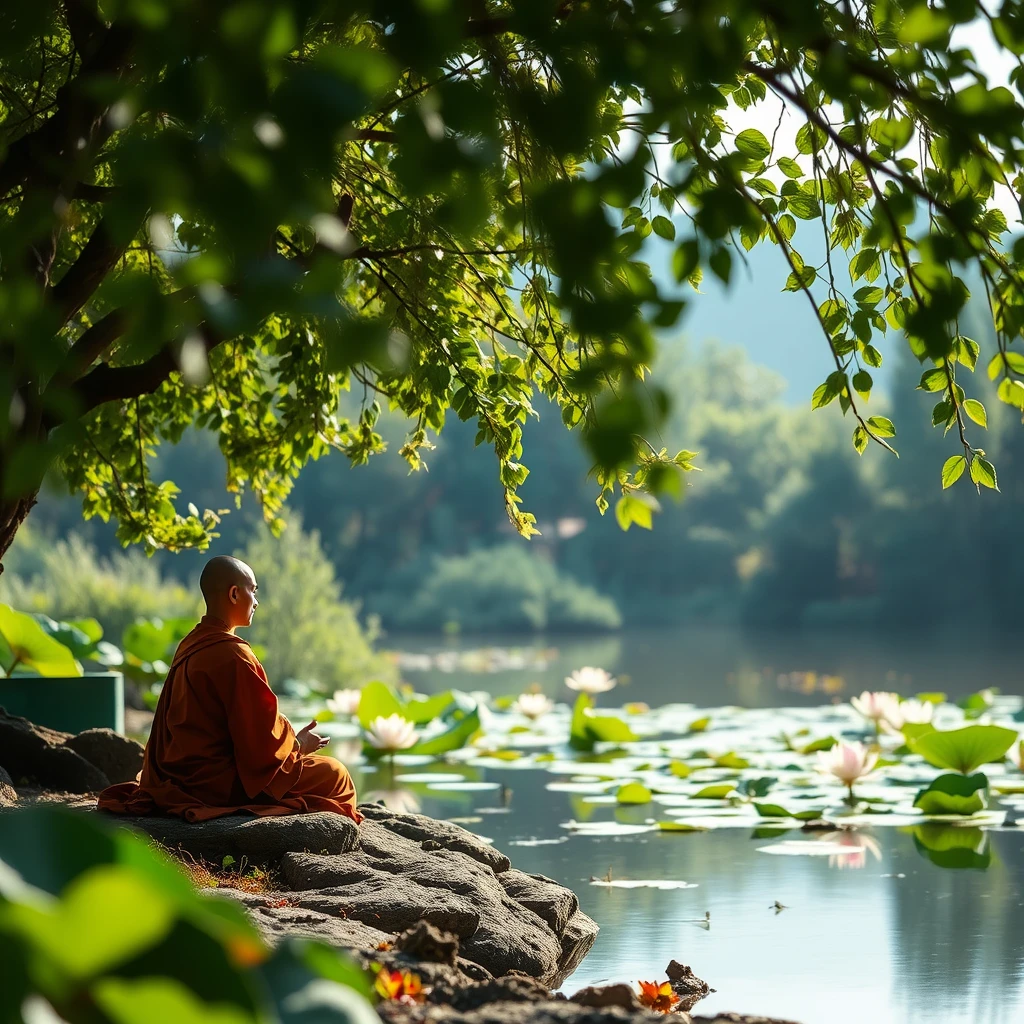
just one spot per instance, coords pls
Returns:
(310, 742)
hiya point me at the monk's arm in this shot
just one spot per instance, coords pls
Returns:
(266, 753)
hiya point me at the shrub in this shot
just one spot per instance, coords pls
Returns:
(504, 588)
(307, 631)
(67, 579)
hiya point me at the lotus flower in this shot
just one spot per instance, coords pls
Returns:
(848, 762)
(344, 702)
(1016, 755)
(391, 734)
(590, 680)
(533, 705)
(875, 706)
(908, 712)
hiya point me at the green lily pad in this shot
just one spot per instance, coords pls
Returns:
(952, 846)
(633, 793)
(964, 750)
(27, 647)
(717, 792)
(679, 826)
(954, 794)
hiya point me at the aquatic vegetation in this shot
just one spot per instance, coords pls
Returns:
(391, 734)
(533, 705)
(588, 729)
(633, 793)
(908, 712)
(848, 762)
(876, 707)
(952, 846)
(964, 750)
(590, 680)
(954, 794)
(344, 702)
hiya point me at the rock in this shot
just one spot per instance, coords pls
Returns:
(118, 757)
(686, 984)
(552, 1011)
(390, 882)
(420, 828)
(425, 942)
(257, 840)
(608, 995)
(577, 940)
(515, 988)
(8, 794)
(38, 754)
(545, 897)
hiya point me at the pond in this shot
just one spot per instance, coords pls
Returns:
(900, 918)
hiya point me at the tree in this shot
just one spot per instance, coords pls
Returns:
(226, 212)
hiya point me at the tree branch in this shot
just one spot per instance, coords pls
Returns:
(373, 135)
(108, 383)
(86, 274)
(95, 193)
(54, 144)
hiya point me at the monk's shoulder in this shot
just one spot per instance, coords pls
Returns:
(230, 653)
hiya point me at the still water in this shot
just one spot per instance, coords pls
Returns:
(885, 935)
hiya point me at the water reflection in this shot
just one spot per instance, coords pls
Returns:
(713, 665)
(899, 938)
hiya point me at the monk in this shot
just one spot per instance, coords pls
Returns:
(219, 745)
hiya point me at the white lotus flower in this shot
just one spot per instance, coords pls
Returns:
(1016, 755)
(344, 702)
(590, 680)
(533, 705)
(391, 734)
(848, 762)
(875, 706)
(909, 712)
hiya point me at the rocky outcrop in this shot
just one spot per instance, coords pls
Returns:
(399, 875)
(256, 840)
(39, 755)
(117, 756)
(686, 984)
(8, 794)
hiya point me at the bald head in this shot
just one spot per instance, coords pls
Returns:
(229, 589)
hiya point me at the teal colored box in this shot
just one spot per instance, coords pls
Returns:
(70, 704)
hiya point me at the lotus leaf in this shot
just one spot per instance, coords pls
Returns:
(27, 647)
(633, 793)
(963, 750)
(954, 794)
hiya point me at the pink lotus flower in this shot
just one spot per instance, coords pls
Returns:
(875, 706)
(848, 762)
(908, 712)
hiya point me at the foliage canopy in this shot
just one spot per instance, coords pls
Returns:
(226, 213)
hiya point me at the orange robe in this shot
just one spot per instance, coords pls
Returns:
(219, 745)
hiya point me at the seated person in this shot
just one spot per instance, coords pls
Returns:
(218, 743)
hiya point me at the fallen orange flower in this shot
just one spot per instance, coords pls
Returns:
(659, 998)
(403, 986)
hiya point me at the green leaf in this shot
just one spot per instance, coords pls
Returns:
(155, 639)
(983, 473)
(609, 729)
(633, 793)
(377, 700)
(964, 750)
(680, 769)
(635, 508)
(680, 826)
(952, 469)
(862, 383)
(422, 710)
(933, 380)
(126, 1001)
(976, 411)
(731, 760)
(465, 726)
(700, 724)
(720, 791)
(30, 649)
(664, 228)
(789, 167)
(804, 206)
(753, 144)
(882, 426)
(954, 794)
(824, 743)
(771, 810)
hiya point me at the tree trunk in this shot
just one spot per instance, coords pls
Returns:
(12, 514)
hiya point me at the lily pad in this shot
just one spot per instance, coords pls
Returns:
(964, 750)
(633, 793)
(954, 794)
(718, 792)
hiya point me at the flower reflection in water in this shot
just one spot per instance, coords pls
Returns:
(859, 846)
(401, 800)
